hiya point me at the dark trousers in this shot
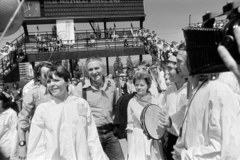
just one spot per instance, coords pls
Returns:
(111, 145)
(168, 141)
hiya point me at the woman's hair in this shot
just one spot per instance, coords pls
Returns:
(59, 71)
(143, 75)
(37, 69)
(6, 101)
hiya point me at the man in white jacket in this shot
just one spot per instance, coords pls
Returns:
(174, 103)
(211, 124)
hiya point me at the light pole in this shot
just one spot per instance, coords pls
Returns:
(190, 19)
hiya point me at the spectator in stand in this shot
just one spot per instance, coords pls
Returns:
(125, 37)
(16, 93)
(135, 37)
(6, 48)
(70, 43)
(110, 32)
(8, 129)
(39, 38)
(92, 40)
(106, 33)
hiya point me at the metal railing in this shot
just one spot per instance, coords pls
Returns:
(7, 58)
(85, 40)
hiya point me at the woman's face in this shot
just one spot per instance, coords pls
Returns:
(141, 87)
(57, 86)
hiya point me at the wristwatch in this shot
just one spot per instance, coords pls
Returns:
(22, 143)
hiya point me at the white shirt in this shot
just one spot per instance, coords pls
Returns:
(230, 79)
(8, 133)
(163, 85)
(153, 89)
(28, 87)
(175, 102)
(68, 131)
(211, 129)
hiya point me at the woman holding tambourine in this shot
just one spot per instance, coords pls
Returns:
(140, 147)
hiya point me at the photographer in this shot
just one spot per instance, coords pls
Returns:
(228, 59)
(210, 127)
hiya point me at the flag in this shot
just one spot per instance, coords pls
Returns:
(131, 28)
(98, 26)
(37, 28)
(114, 29)
(74, 28)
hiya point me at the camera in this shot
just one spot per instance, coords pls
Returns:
(202, 40)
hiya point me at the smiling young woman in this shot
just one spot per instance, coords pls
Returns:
(67, 123)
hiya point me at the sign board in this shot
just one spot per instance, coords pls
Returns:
(83, 8)
(65, 30)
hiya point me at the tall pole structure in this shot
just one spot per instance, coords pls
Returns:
(189, 19)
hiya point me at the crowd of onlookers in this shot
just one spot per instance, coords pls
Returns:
(54, 44)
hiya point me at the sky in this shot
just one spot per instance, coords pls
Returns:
(165, 17)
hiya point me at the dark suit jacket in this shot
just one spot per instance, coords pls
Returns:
(120, 120)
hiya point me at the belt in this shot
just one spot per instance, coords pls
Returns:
(108, 127)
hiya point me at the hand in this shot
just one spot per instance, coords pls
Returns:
(228, 59)
(148, 137)
(164, 119)
(22, 153)
(176, 153)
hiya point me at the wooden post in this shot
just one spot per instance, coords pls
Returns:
(33, 64)
(105, 27)
(71, 67)
(141, 26)
(107, 65)
(24, 25)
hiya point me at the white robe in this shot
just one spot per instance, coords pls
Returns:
(139, 147)
(68, 132)
(211, 129)
(8, 133)
(175, 103)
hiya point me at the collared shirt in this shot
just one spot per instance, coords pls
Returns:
(30, 85)
(211, 129)
(175, 102)
(101, 101)
(67, 129)
(8, 133)
(37, 95)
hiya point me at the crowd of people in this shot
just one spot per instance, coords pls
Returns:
(55, 44)
(56, 117)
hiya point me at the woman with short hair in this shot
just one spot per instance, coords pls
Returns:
(68, 128)
(139, 147)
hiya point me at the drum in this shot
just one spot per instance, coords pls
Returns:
(150, 122)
